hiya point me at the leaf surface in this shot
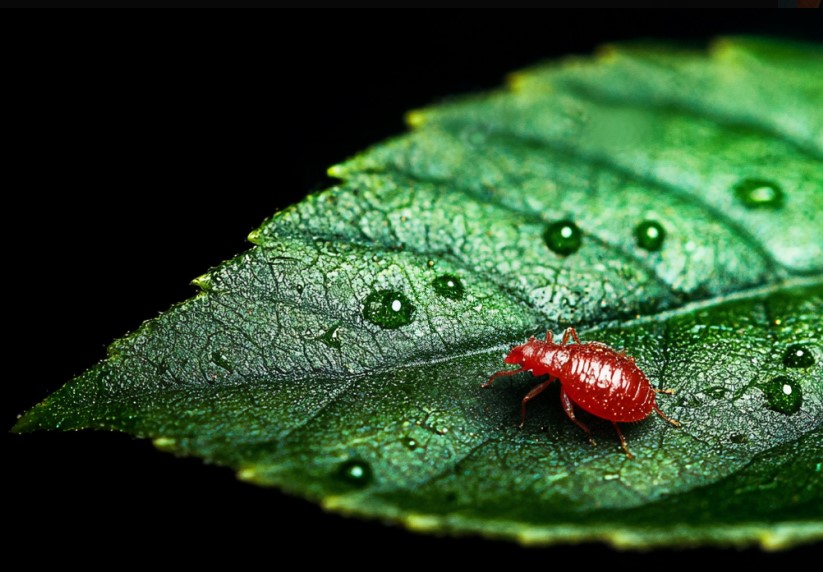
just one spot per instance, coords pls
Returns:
(341, 357)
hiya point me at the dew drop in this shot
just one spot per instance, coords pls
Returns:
(330, 337)
(563, 237)
(759, 194)
(388, 309)
(650, 235)
(783, 394)
(355, 472)
(739, 438)
(798, 355)
(409, 443)
(449, 286)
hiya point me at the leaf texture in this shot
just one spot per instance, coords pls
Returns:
(659, 200)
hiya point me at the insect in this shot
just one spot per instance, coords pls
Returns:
(593, 376)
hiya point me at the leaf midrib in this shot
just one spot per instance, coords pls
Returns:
(688, 308)
(353, 379)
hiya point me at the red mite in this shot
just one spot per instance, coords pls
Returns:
(593, 376)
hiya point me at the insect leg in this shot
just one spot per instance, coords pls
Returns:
(622, 440)
(672, 421)
(569, 332)
(503, 373)
(531, 395)
(568, 407)
(549, 336)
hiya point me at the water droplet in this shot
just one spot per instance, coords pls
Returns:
(449, 286)
(409, 443)
(759, 194)
(783, 394)
(563, 237)
(739, 438)
(650, 235)
(388, 309)
(330, 337)
(798, 355)
(219, 359)
(354, 472)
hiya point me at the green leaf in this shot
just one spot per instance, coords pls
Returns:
(658, 200)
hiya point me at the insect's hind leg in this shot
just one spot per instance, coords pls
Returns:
(657, 409)
(531, 395)
(622, 440)
(674, 422)
(568, 407)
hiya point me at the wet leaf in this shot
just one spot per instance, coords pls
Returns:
(659, 200)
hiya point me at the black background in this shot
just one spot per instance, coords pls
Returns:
(138, 156)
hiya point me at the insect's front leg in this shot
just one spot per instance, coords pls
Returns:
(531, 395)
(504, 373)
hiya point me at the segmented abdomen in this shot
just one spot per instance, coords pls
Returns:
(606, 384)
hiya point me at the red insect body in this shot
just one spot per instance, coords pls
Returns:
(593, 376)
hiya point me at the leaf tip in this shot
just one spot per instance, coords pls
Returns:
(783, 537)
(253, 237)
(607, 53)
(422, 523)
(27, 422)
(517, 81)
(336, 171)
(416, 118)
(164, 443)
(204, 281)
(248, 474)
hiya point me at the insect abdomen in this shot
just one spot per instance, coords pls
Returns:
(606, 384)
